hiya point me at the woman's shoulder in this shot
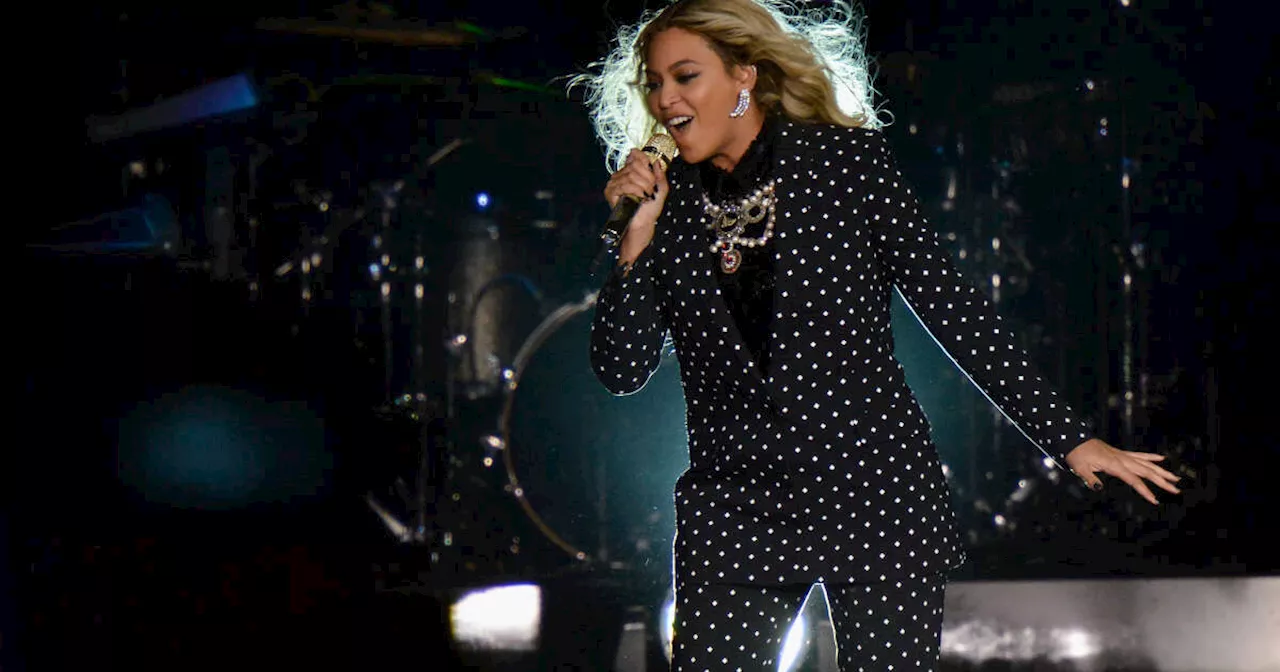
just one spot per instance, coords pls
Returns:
(821, 135)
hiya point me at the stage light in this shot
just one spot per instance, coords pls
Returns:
(793, 645)
(1076, 644)
(502, 618)
(213, 99)
(482, 200)
(667, 625)
(216, 448)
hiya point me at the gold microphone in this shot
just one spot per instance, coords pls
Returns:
(661, 149)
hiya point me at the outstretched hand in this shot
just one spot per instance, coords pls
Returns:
(1096, 455)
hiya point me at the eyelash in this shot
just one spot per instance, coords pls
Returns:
(680, 79)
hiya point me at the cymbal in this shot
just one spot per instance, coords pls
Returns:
(396, 32)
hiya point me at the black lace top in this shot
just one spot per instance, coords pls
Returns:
(749, 291)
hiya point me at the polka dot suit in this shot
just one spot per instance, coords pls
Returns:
(819, 468)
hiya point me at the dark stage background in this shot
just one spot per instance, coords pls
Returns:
(200, 425)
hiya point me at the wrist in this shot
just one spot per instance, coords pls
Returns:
(632, 247)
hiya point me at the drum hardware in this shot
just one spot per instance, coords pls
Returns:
(305, 261)
(377, 23)
(487, 383)
(389, 274)
(522, 358)
(322, 200)
(396, 33)
(384, 225)
(565, 479)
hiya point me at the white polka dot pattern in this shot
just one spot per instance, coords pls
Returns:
(891, 625)
(820, 468)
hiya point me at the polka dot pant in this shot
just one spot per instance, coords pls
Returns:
(892, 626)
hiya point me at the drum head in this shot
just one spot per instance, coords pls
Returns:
(594, 471)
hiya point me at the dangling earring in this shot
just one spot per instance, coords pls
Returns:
(744, 99)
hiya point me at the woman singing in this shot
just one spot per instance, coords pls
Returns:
(766, 253)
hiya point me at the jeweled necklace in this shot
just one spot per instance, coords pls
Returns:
(730, 221)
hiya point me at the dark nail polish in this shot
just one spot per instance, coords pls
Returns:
(1097, 486)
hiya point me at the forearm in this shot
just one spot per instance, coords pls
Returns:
(629, 329)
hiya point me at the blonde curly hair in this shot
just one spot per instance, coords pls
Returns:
(811, 65)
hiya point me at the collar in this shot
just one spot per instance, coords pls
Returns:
(754, 166)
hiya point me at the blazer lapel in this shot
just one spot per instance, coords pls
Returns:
(791, 157)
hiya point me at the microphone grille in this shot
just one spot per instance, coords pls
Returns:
(662, 145)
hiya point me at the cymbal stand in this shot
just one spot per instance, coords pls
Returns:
(420, 501)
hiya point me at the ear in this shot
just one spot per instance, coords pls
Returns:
(745, 76)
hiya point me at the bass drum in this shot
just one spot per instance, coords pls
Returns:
(594, 472)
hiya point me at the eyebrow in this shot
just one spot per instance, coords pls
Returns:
(687, 61)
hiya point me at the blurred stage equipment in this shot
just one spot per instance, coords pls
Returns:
(371, 262)
(393, 32)
(377, 23)
(225, 96)
(151, 227)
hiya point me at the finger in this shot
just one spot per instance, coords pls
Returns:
(660, 174)
(1166, 486)
(1152, 472)
(647, 170)
(631, 182)
(640, 187)
(618, 192)
(1164, 473)
(639, 170)
(1135, 483)
(1090, 478)
(1162, 482)
(615, 191)
(1151, 457)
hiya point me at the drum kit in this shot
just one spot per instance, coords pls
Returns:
(477, 314)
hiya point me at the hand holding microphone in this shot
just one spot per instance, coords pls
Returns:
(637, 194)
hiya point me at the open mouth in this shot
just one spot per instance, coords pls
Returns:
(679, 124)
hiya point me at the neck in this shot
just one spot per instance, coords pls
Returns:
(748, 128)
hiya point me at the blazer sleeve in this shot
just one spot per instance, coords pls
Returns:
(628, 330)
(959, 316)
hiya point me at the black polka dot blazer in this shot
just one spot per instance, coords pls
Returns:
(820, 467)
